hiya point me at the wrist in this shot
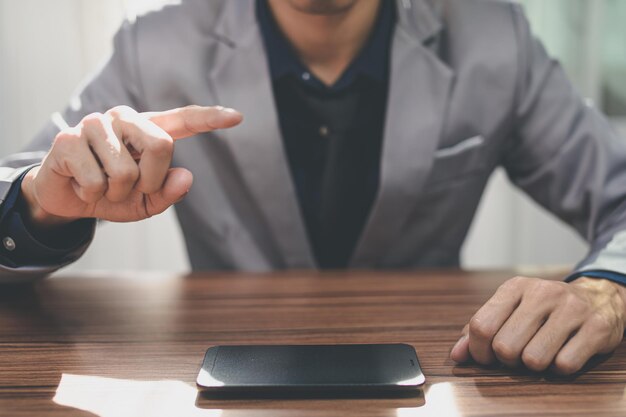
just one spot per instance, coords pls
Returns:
(35, 213)
(613, 293)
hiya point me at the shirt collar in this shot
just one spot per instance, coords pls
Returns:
(372, 61)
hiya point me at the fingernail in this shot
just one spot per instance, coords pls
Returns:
(229, 110)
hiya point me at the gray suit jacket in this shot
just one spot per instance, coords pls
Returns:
(470, 90)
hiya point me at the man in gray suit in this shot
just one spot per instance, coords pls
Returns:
(371, 128)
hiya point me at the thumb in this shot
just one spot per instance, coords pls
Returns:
(460, 352)
(177, 185)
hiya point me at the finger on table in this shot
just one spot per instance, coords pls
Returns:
(486, 323)
(595, 336)
(520, 328)
(542, 349)
(460, 351)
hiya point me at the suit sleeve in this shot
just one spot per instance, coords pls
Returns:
(567, 157)
(116, 83)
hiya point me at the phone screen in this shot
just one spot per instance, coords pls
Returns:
(310, 367)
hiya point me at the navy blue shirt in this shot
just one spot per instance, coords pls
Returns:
(332, 135)
(31, 246)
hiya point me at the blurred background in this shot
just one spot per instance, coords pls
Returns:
(48, 47)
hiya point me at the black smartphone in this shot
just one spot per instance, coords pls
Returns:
(301, 368)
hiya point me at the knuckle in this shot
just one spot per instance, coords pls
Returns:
(125, 174)
(543, 286)
(574, 305)
(94, 185)
(504, 351)
(161, 146)
(566, 366)
(514, 282)
(93, 121)
(560, 288)
(518, 279)
(543, 289)
(65, 138)
(193, 107)
(534, 362)
(480, 329)
(119, 112)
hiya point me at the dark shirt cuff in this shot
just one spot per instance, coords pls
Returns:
(23, 246)
(601, 274)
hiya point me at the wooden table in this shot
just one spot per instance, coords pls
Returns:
(131, 345)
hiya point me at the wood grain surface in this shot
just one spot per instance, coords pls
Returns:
(131, 345)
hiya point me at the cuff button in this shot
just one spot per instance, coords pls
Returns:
(9, 244)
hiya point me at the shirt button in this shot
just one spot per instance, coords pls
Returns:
(306, 76)
(324, 131)
(9, 244)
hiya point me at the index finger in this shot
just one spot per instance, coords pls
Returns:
(189, 121)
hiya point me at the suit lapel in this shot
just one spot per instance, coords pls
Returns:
(240, 79)
(418, 96)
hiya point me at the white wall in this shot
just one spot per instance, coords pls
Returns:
(46, 49)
